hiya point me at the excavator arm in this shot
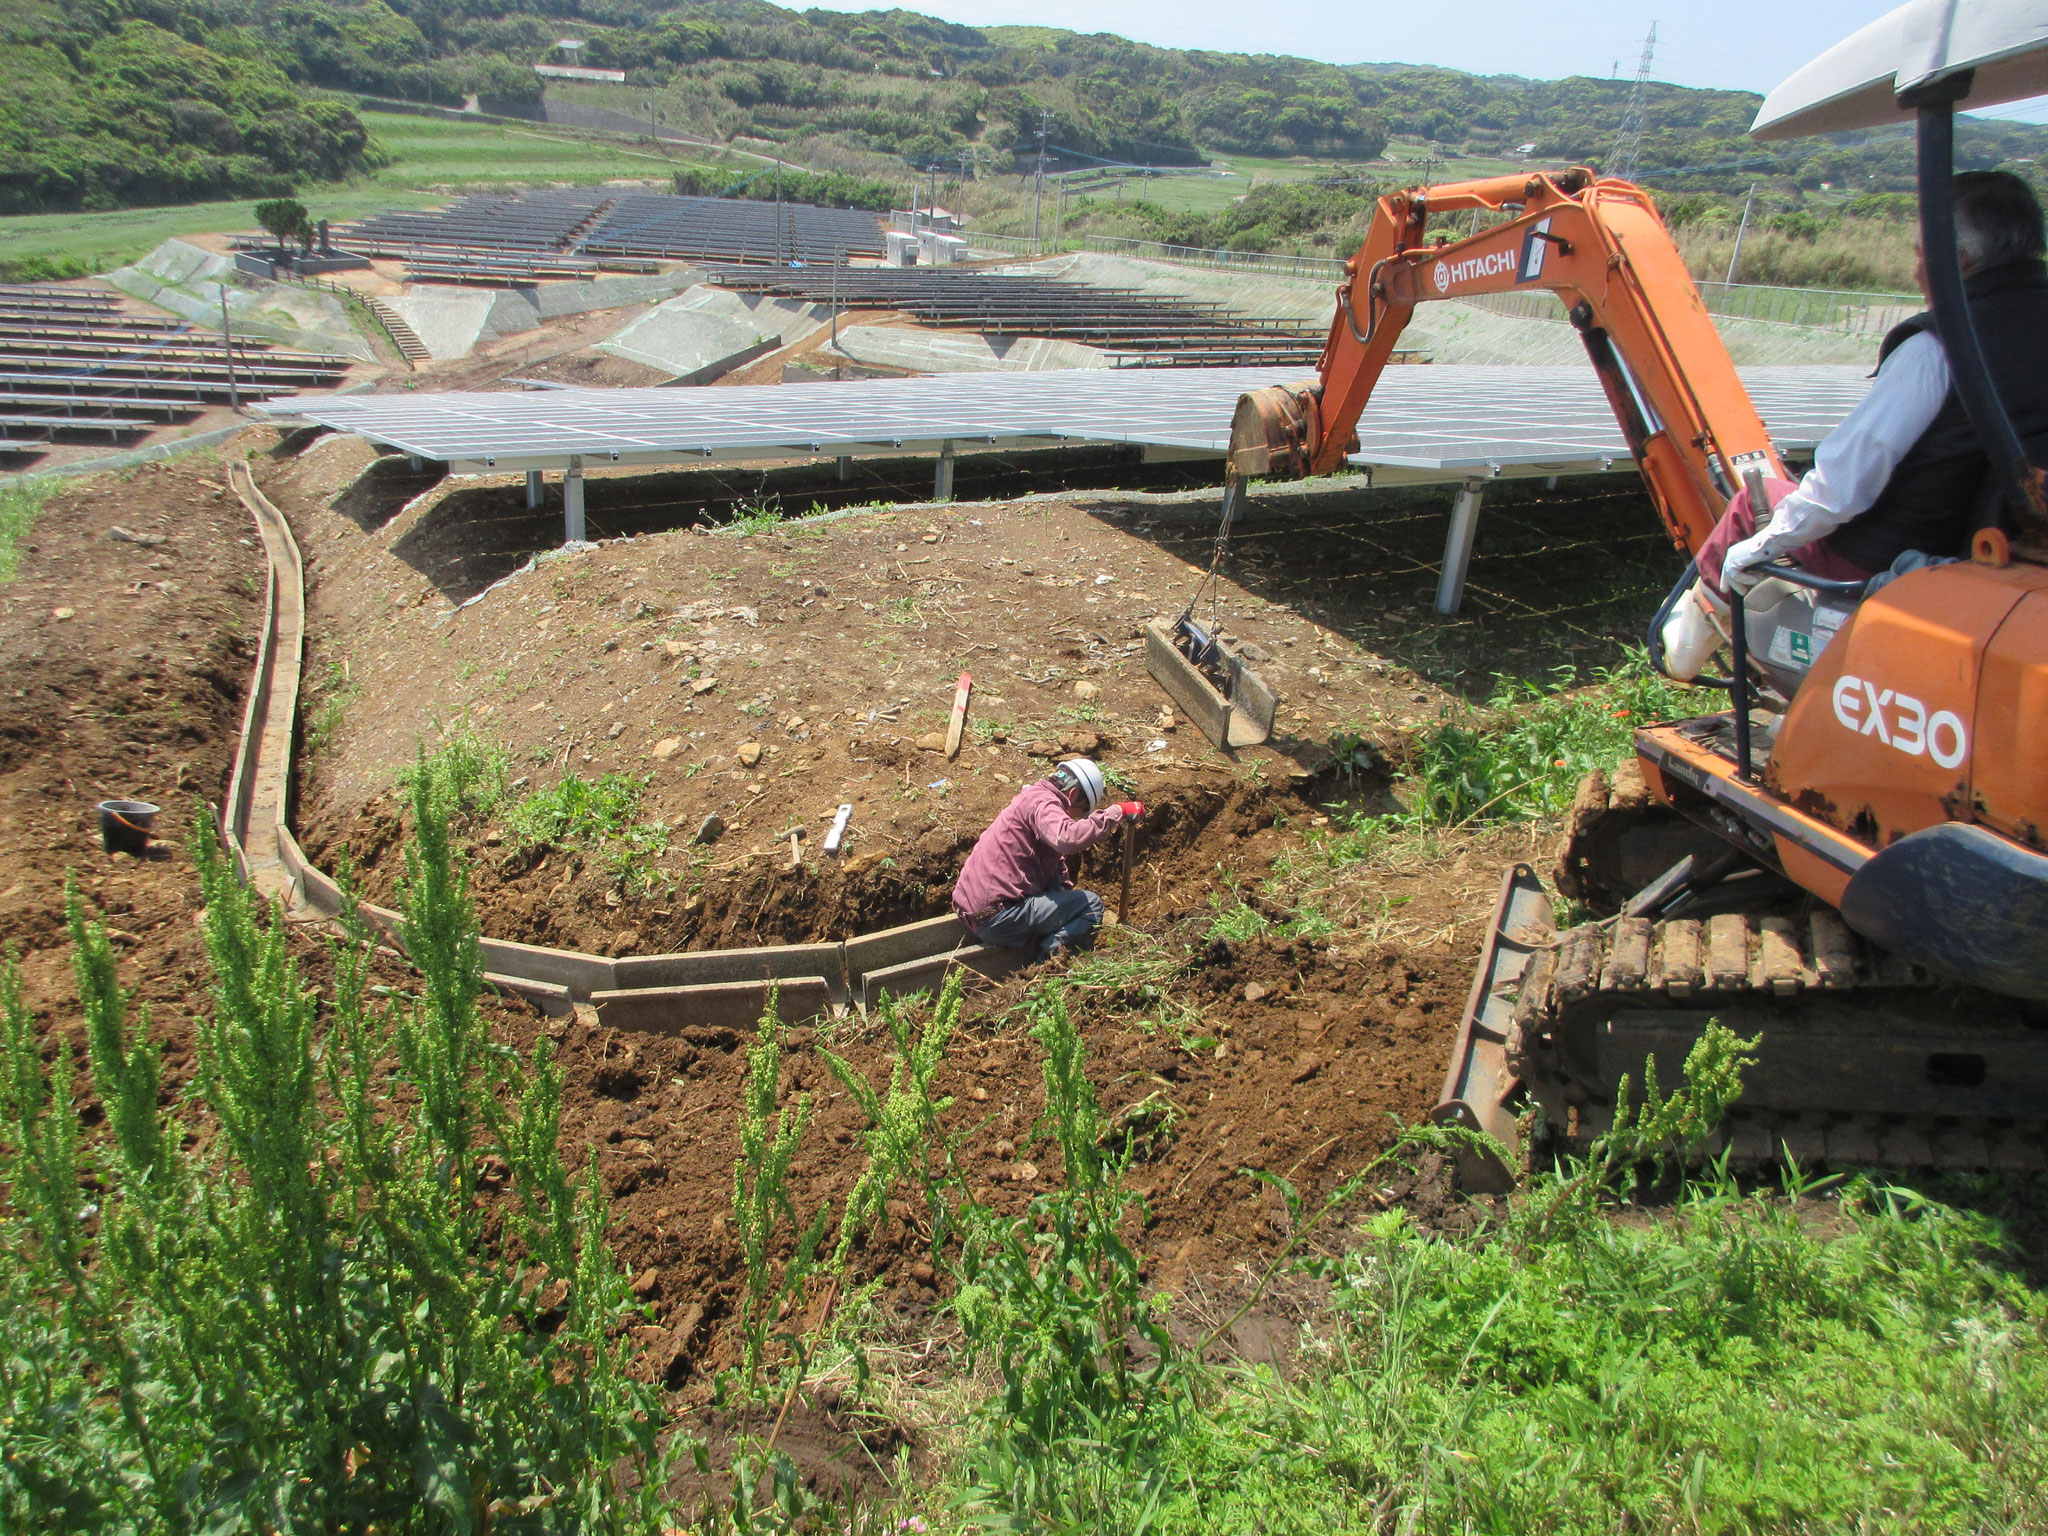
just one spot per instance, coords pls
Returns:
(1599, 245)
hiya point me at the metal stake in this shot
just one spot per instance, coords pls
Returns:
(1123, 906)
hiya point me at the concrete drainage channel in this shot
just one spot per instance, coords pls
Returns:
(659, 994)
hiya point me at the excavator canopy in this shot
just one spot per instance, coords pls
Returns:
(1858, 82)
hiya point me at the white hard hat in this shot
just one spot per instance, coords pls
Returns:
(1085, 776)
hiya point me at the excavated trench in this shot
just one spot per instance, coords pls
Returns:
(567, 898)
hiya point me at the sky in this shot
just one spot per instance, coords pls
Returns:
(1733, 44)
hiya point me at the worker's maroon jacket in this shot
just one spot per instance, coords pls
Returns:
(1024, 851)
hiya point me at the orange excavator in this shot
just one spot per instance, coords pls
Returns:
(1851, 861)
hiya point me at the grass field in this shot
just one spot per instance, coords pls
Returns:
(1207, 194)
(430, 158)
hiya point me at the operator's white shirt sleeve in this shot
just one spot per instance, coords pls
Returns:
(1856, 459)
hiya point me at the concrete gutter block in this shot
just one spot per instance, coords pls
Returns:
(582, 975)
(704, 967)
(873, 952)
(552, 1000)
(717, 1005)
(927, 975)
(316, 889)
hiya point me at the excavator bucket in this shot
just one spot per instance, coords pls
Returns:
(1480, 1083)
(1230, 703)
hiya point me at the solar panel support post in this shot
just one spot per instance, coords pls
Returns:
(572, 502)
(1450, 586)
(845, 466)
(942, 480)
(533, 490)
(227, 348)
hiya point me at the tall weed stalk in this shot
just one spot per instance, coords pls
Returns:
(288, 1311)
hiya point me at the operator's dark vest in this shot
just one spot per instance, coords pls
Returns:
(1929, 504)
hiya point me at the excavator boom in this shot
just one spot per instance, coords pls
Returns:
(1600, 246)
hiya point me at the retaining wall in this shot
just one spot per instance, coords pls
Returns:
(707, 331)
(189, 280)
(454, 321)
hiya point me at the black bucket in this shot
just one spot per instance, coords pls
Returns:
(125, 825)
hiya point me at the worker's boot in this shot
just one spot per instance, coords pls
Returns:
(1697, 628)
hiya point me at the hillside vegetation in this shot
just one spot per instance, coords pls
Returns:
(107, 106)
(111, 103)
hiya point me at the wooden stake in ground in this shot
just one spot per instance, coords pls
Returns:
(959, 714)
(1123, 910)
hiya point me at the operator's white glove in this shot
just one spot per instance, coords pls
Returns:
(1743, 567)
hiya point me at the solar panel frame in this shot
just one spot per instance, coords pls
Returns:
(1425, 423)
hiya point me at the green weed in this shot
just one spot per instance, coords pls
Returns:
(294, 1310)
(1525, 754)
(601, 814)
(1732, 1365)
(753, 517)
(465, 775)
(336, 690)
(19, 505)
(1236, 921)
(761, 1201)
(902, 1139)
(1055, 1301)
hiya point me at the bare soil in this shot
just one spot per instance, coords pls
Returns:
(833, 648)
(122, 672)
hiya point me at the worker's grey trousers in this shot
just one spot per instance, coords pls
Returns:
(1050, 921)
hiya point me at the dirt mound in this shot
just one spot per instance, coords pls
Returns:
(123, 660)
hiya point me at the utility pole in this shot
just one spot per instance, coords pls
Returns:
(1628, 138)
(961, 196)
(1740, 230)
(227, 347)
(1038, 190)
(778, 213)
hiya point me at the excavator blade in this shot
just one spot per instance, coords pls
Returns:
(1481, 1082)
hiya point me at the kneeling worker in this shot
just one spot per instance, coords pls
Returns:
(1017, 888)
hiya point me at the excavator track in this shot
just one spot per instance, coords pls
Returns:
(1864, 1060)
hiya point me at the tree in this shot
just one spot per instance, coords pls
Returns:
(285, 218)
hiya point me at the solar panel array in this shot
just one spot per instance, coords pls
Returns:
(73, 365)
(1137, 330)
(727, 229)
(1435, 423)
(533, 222)
(576, 232)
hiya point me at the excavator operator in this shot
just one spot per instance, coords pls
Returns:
(1903, 472)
